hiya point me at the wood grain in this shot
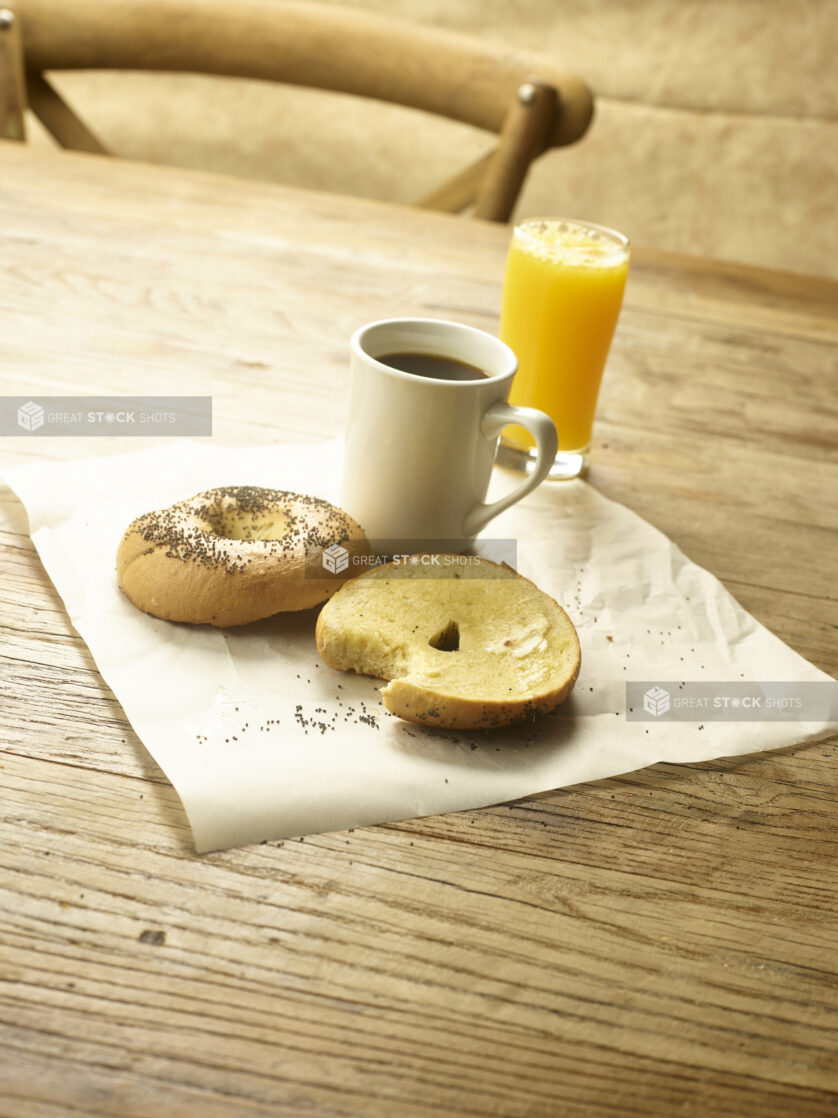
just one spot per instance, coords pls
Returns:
(658, 944)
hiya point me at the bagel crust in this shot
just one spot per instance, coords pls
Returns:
(233, 555)
(466, 644)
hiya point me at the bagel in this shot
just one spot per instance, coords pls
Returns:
(233, 555)
(466, 643)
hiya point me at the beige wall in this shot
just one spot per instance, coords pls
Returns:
(716, 128)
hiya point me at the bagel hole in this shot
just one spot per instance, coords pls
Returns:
(240, 525)
(447, 639)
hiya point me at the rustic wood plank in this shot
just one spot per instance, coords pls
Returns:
(353, 915)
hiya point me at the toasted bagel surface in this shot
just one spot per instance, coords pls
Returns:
(466, 644)
(233, 555)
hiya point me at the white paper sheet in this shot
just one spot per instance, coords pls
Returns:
(263, 741)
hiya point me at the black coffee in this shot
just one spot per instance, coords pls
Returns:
(433, 366)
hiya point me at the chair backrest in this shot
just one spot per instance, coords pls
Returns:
(530, 102)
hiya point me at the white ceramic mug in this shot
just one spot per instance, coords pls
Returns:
(419, 450)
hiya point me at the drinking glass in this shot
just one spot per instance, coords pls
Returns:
(562, 294)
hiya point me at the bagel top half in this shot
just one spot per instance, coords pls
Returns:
(233, 555)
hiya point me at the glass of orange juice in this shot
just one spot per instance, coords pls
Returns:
(562, 294)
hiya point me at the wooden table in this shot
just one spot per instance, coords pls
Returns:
(659, 944)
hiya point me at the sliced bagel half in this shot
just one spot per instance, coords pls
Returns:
(467, 644)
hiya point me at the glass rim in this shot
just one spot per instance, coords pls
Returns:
(619, 240)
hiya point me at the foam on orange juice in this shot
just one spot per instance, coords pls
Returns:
(562, 294)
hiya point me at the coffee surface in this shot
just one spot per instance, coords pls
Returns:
(432, 366)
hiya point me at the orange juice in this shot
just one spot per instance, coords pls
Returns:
(561, 298)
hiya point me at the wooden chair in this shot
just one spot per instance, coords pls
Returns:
(12, 87)
(529, 102)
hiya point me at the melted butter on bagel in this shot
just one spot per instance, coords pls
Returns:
(233, 555)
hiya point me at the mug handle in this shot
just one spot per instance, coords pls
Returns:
(543, 430)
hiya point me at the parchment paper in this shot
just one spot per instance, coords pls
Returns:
(263, 741)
